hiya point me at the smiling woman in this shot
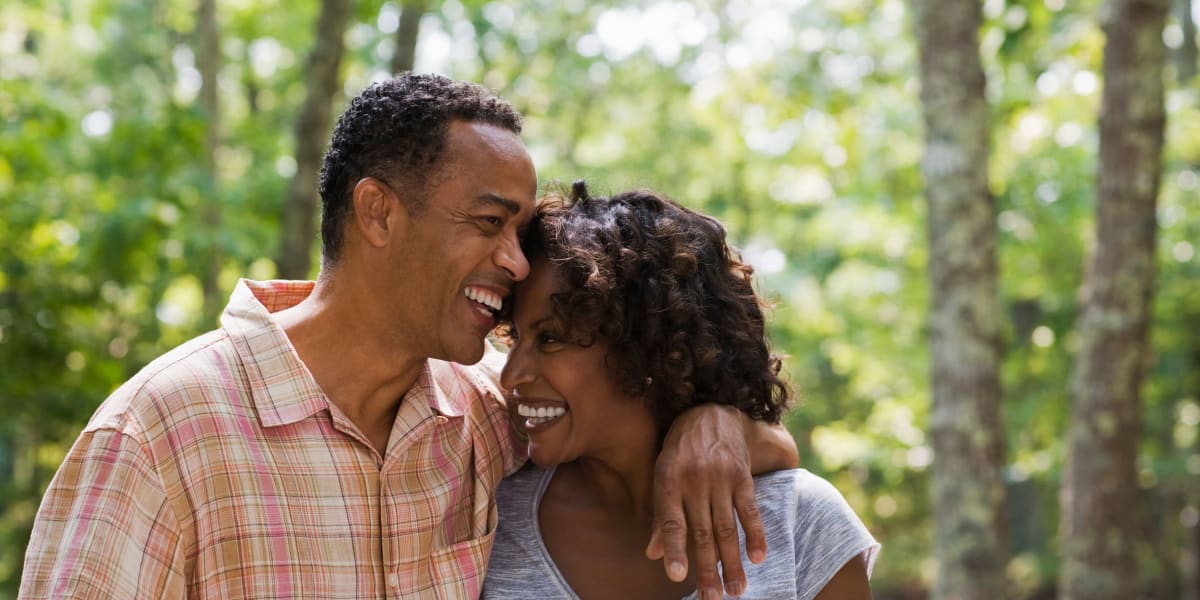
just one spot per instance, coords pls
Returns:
(634, 311)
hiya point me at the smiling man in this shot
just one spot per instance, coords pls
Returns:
(344, 438)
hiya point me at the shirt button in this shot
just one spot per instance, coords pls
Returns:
(394, 580)
(441, 419)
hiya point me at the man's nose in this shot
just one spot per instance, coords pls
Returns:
(510, 258)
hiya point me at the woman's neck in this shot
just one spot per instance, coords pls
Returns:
(623, 485)
(596, 519)
(617, 473)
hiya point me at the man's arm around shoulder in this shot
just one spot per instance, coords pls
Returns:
(703, 483)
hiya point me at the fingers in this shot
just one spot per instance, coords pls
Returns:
(705, 453)
(725, 532)
(747, 512)
(654, 550)
(704, 547)
(667, 539)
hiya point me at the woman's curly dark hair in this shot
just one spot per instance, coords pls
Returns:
(660, 283)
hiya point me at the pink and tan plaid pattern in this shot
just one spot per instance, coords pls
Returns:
(222, 471)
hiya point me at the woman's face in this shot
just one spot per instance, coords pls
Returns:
(567, 393)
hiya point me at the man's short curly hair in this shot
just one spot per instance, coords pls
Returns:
(660, 283)
(395, 131)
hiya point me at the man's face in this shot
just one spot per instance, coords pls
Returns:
(461, 252)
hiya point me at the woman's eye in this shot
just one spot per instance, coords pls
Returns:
(548, 338)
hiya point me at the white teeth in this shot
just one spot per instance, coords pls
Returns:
(541, 414)
(484, 297)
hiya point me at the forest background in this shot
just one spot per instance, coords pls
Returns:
(153, 152)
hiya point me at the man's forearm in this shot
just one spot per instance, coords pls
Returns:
(772, 447)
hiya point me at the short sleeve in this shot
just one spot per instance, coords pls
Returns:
(828, 534)
(104, 528)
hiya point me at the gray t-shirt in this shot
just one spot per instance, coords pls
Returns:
(811, 534)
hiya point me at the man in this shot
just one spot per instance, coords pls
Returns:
(328, 441)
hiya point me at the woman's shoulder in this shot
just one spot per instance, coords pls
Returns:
(799, 504)
(811, 532)
(799, 485)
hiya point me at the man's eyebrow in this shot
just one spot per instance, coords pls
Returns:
(489, 198)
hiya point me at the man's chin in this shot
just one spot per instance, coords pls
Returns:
(466, 355)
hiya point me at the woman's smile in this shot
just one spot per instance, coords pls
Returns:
(539, 417)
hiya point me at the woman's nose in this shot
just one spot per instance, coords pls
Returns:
(516, 371)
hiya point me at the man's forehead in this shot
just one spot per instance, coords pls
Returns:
(462, 135)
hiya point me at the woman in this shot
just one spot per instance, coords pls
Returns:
(635, 309)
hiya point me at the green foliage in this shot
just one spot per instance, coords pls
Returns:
(796, 123)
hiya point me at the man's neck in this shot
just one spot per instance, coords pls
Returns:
(362, 371)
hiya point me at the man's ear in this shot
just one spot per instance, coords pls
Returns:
(377, 211)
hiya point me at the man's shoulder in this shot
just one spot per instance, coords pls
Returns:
(204, 363)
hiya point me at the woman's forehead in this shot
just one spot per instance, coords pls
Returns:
(543, 280)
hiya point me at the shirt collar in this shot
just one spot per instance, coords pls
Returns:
(457, 386)
(282, 388)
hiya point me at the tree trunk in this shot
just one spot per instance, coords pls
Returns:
(1186, 54)
(312, 130)
(1189, 529)
(1189, 553)
(250, 82)
(406, 35)
(210, 65)
(968, 493)
(1099, 505)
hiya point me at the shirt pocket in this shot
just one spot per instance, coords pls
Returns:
(457, 571)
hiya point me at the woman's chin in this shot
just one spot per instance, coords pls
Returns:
(544, 458)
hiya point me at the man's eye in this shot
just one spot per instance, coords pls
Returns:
(492, 220)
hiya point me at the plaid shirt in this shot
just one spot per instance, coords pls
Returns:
(221, 470)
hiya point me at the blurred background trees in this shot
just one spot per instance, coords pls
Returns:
(152, 153)
(1098, 502)
(965, 426)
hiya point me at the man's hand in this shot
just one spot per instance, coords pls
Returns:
(701, 478)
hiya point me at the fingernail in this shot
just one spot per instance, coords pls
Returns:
(737, 588)
(677, 571)
(757, 556)
(710, 595)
